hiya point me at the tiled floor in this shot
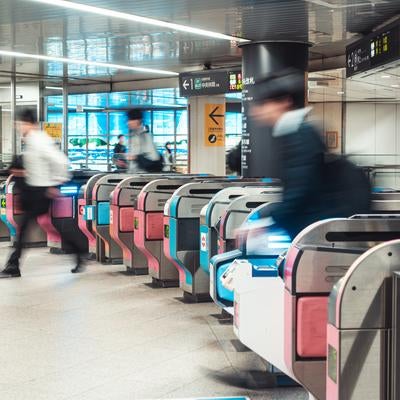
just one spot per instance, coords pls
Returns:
(104, 336)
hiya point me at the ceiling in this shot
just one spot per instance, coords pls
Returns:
(51, 30)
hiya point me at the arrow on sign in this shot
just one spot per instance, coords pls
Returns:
(213, 116)
(185, 84)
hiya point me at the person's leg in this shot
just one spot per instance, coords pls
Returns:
(12, 265)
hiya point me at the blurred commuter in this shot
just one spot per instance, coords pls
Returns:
(314, 188)
(169, 159)
(119, 156)
(142, 153)
(234, 159)
(40, 170)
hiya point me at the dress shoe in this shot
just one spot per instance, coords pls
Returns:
(10, 271)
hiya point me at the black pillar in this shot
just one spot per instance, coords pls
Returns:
(259, 60)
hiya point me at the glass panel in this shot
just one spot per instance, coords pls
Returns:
(77, 100)
(76, 49)
(118, 123)
(164, 128)
(164, 96)
(97, 99)
(97, 150)
(141, 97)
(97, 124)
(120, 100)
(77, 124)
(54, 117)
(77, 149)
(233, 129)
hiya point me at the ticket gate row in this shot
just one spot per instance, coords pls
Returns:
(182, 238)
(328, 266)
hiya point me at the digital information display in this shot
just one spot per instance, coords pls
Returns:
(374, 50)
(205, 83)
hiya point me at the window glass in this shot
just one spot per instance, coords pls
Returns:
(54, 117)
(77, 124)
(97, 124)
(97, 99)
(118, 123)
(119, 100)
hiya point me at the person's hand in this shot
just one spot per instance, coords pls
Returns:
(53, 193)
(130, 157)
(19, 173)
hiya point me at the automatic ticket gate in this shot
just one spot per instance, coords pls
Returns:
(363, 328)
(64, 213)
(182, 233)
(86, 212)
(293, 335)
(211, 215)
(149, 233)
(234, 217)
(122, 221)
(107, 250)
(35, 235)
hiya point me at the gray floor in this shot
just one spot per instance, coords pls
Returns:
(103, 335)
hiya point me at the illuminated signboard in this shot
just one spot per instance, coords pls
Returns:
(203, 83)
(374, 50)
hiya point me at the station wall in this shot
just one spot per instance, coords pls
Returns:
(372, 136)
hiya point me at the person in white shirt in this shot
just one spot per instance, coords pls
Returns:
(44, 168)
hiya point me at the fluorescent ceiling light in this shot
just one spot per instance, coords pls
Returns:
(53, 88)
(137, 18)
(85, 62)
(5, 87)
(340, 92)
(395, 86)
(385, 76)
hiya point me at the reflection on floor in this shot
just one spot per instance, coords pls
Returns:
(103, 335)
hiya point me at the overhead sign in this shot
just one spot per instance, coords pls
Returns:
(214, 125)
(53, 129)
(374, 50)
(204, 83)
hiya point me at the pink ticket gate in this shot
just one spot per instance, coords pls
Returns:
(107, 250)
(149, 229)
(122, 218)
(86, 213)
(319, 257)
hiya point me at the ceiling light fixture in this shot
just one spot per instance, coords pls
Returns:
(340, 92)
(137, 18)
(54, 88)
(395, 86)
(41, 57)
(385, 76)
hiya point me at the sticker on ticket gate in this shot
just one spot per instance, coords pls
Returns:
(111, 217)
(203, 241)
(89, 213)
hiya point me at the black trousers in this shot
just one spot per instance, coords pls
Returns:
(34, 203)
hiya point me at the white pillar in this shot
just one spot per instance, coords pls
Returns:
(206, 152)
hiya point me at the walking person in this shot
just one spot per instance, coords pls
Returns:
(142, 153)
(119, 156)
(168, 157)
(43, 168)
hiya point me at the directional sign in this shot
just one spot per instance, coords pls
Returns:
(214, 125)
(53, 129)
(378, 48)
(204, 83)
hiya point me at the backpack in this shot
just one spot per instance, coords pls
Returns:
(347, 186)
(148, 165)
